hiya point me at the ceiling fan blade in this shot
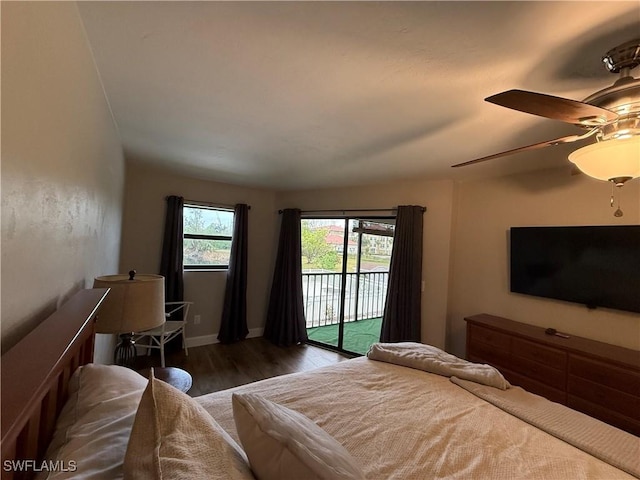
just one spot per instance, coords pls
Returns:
(556, 108)
(535, 146)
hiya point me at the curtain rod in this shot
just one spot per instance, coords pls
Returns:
(210, 204)
(345, 210)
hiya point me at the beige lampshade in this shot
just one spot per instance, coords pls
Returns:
(610, 159)
(131, 305)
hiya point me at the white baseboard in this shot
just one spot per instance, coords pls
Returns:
(213, 338)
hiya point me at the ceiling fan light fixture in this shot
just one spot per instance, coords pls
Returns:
(616, 160)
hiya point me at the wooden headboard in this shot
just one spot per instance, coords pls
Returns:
(35, 377)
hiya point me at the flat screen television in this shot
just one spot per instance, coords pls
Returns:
(598, 266)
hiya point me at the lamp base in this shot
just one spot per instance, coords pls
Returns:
(125, 352)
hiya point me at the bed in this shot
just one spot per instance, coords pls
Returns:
(382, 419)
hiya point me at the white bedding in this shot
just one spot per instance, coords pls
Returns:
(433, 360)
(401, 423)
(614, 446)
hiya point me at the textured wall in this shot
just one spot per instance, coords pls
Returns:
(62, 165)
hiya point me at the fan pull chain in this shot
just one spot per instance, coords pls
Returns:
(612, 201)
(618, 212)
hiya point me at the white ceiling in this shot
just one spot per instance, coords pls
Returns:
(312, 94)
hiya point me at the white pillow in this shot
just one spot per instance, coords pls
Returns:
(173, 437)
(93, 428)
(284, 444)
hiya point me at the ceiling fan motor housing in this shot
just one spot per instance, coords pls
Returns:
(623, 100)
(623, 97)
(625, 56)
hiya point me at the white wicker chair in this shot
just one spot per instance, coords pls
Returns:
(170, 329)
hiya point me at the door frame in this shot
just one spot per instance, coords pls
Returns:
(347, 218)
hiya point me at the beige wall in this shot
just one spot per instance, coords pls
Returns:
(62, 165)
(465, 244)
(143, 225)
(485, 211)
(437, 196)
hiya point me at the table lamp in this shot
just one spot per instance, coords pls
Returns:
(135, 303)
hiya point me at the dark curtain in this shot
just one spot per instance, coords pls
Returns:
(285, 318)
(233, 326)
(171, 264)
(402, 311)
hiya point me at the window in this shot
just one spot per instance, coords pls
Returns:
(207, 237)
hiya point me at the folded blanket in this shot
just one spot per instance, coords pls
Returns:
(433, 360)
(614, 446)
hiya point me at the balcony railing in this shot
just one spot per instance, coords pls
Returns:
(365, 295)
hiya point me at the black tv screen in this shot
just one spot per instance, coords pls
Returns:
(598, 266)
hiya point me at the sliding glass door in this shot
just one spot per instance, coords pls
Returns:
(345, 270)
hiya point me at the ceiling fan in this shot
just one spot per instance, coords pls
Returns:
(610, 116)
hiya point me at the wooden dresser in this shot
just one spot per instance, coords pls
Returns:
(596, 378)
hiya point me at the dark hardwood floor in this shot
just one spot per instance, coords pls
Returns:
(218, 367)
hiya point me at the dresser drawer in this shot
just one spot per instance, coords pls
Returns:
(543, 373)
(608, 375)
(549, 356)
(485, 353)
(598, 411)
(533, 386)
(489, 337)
(599, 379)
(615, 400)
